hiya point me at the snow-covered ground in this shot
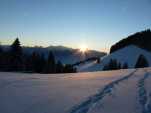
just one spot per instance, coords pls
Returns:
(122, 91)
(128, 54)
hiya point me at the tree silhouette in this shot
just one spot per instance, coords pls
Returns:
(98, 60)
(38, 62)
(112, 65)
(140, 39)
(1, 58)
(34, 62)
(69, 69)
(119, 65)
(141, 62)
(125, 66)
(1, 50)
(16, 60)
(50, 64)
(59, 67)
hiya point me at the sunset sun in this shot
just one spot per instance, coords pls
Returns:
(83, 48)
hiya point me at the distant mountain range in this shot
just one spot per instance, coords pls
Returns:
(65, 54)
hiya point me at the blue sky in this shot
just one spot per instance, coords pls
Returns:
(96, 23)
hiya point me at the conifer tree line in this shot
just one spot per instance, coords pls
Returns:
(141, 62)
(114, 65)
(15, 59)
(141, 39)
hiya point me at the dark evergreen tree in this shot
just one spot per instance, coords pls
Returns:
(38, 62)
(125, 66)
(50, 64)
(42, 63)
(69, 69)
(141, 62)
(34, 60)
(1, 50)
(98, 60)
(28, 63)
(16, 58)
(119, 65)
(106, 67)
(59, 67)
(112, 65)
(1, 58)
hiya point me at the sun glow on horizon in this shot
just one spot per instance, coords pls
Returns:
(83, 48)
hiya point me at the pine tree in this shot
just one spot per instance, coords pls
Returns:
(1, 56)
(41, 63)
(34, 60)
(50, 64)
(141, 62)
(28, 63)
(68, 68)
(38, 62)
(1, 50)
(16, 48)
(106, 67)
(112, 65)
(119, 66)
(16, 59)
(98, 60)
(125, 66)
(59, 67)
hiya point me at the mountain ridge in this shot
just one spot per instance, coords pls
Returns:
(65, 54)
(141, 39)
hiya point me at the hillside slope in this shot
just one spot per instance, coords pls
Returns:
(127, 55)
(141, 39)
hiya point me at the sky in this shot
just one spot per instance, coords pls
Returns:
(95, 23)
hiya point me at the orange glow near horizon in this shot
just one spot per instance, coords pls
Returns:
(32, 43)
(83, 48)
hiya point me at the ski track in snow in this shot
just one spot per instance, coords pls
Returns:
(87, 104)
(144, 98)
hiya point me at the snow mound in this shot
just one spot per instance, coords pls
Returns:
(127, 55)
